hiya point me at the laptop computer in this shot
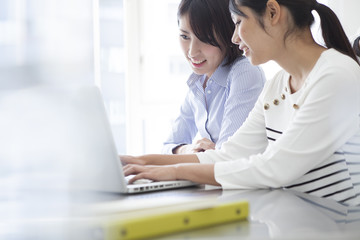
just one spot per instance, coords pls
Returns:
(67, 141)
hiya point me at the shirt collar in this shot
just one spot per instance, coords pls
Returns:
(219, 76)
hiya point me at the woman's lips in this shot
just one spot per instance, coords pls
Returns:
(245, 50)
(197, 64)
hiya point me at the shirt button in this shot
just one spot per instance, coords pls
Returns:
(283, 96)
(266, 106)
(209, 91)
(276, 102)
(295, 106)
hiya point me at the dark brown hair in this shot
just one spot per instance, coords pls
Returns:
(332, 31)
(211, 22)
(356, 46)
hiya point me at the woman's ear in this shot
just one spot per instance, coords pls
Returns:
(273, 11)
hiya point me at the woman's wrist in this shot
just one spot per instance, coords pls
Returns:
(177, 171)
(200, 173)
(177, 149)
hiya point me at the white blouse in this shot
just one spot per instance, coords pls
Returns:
(307, 141)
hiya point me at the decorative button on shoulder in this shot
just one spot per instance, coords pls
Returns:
(266, 106)
(295, 106)
(276, 102)
(283, 96)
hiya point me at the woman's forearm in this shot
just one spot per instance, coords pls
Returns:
(161, 159)
(200, 173)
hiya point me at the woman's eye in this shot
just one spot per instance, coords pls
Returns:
(184, 37)
(237, 23)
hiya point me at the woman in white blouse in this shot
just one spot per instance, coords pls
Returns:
(304, 131)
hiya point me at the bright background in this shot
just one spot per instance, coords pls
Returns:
(129, 48)
(157, 75)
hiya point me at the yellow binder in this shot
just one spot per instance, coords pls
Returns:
(175, 221)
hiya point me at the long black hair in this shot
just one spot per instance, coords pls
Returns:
(301, 11)
(211, 22)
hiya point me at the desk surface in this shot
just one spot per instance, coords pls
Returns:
(274, 214)
(281, 214)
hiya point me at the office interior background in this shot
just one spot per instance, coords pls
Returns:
(128, 48)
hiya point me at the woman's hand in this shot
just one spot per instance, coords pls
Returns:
(199, 146)
(156, 173)
(200, 173)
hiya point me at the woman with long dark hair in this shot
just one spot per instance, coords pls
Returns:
(304, 131)
(223, 87)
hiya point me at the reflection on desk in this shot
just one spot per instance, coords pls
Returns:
(282, 214)
(274, 214)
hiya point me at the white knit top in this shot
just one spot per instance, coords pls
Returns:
(307, 141)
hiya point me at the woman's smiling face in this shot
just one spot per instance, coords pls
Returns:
(249, 35)
(203, 58)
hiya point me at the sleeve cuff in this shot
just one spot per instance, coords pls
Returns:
(202, 156)
(169, 148)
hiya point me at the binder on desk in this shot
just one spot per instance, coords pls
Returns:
(175, 221)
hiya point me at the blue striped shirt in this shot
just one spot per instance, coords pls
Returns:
(217, 111)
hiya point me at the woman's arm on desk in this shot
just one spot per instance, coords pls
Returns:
(159, 159)
(200, 173)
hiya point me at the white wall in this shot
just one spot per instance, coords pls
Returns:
(348, 13)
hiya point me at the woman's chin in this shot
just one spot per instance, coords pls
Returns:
(198, 71)
(255, 61)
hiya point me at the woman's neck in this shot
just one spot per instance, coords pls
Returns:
(298, 58)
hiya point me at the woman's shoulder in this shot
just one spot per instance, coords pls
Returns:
(241, 61)
(333, 59)
(335, 65)
(242, 67)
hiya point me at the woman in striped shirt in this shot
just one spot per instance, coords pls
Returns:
(304, 131)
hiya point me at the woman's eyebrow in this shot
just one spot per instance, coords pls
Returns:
(182, 30)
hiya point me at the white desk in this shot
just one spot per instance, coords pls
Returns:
(274, 214)
(280, 214)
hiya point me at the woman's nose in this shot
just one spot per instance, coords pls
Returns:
(235, 38)
(194, 48)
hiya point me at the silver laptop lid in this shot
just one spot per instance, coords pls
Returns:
(58, 137)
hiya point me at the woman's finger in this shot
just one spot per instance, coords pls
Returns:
(131, 169)
(136, 177)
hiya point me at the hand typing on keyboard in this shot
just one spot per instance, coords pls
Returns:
(142, 181)
(139, 181)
